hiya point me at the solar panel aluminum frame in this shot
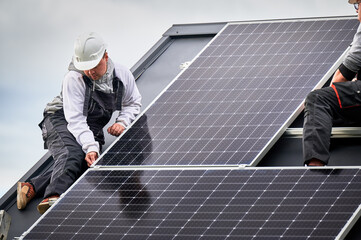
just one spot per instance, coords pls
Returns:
(342, 234)
(337, 132)
(292, 117)
(346, 229)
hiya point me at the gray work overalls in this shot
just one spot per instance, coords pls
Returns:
(69, 158)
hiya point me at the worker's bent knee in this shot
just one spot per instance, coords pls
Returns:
(311, 97)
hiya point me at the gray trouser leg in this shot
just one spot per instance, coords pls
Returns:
(321, 109)
(68, 157)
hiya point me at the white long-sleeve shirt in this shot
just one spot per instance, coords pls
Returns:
(72, 98)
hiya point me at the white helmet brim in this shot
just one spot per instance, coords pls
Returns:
(85, 65)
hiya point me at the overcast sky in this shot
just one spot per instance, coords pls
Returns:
(36, 45)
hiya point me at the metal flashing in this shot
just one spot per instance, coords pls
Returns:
(350, 223)
(196, 29)
(151, 56)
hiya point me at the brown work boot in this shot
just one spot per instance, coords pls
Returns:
(25, 192)
(47, 203)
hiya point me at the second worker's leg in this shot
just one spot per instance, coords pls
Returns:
(320, 107)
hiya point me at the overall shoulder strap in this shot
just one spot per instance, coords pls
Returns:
(118, 88)
(88, 94)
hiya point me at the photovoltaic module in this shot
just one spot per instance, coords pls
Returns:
(237, 96)
(205, 204)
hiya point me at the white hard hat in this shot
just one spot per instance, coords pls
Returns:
(89, 49)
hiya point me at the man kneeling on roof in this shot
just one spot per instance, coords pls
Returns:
(73, 123)
(342, 100)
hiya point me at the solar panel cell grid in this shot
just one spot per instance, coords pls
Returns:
(205, 204)
(230, 103)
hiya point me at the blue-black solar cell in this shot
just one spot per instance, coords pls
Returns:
(205, 204)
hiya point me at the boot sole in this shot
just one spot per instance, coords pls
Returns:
(43, 207)
(20, 201)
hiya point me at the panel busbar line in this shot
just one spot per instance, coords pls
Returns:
(238, 95)
(294, 203)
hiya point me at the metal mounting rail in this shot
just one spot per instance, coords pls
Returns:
(337, 132)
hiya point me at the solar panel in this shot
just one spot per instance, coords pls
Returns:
(253, 203)
(239, 94)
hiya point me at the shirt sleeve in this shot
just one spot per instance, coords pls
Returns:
(352, 60)
(73, 102)
(346, 73)
(131, 100)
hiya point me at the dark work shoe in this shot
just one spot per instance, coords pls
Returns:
(315, 163)
(47, 203)
(25, 192)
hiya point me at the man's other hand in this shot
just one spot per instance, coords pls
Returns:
(90, 158)
(116, 129)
